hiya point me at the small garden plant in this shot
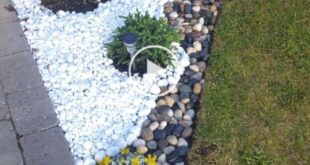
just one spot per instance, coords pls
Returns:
(150, 31)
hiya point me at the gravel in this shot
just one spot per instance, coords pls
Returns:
(100, 109)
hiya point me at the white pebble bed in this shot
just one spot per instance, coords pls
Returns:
(100, 108)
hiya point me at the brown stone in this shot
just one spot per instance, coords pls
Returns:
(173, 22)
(197, 88)
(185, 100)
(213, 8)
(193, 22)
(147, 134)
(182, 7)
(168, 10)
(169, 101)
(188, 29)
(180, 20)
(161, 102)
(197, 27)
(197, 34)
(211, 27)
(197, 3)
(194, 68)
(191, 50)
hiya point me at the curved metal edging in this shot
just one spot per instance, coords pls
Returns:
(152, 47)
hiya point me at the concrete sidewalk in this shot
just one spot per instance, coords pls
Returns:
(29, 134)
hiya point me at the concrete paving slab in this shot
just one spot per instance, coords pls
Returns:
(19, 72)
(9, 151)
(12, 39)
(46, 148)
(7, 13)
(32, 111)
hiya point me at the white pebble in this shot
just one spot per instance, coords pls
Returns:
(155, 89)
(89, 161)
(100, 155)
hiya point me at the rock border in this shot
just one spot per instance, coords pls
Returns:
(168, 130)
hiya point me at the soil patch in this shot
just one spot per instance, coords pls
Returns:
(79, 6)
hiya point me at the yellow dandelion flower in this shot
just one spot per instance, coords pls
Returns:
(124, 151)
(134, 161)
(105, 161)
(150, 160)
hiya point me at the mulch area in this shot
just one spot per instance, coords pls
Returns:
(79, 6)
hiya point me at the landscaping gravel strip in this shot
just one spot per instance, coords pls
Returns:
(97, 111)
(100, 109)
(170, 125)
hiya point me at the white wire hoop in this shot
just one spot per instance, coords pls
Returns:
(152, 47)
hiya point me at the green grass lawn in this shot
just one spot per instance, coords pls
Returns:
(256, 103)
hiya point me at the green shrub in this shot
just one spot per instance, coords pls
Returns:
(150, 31)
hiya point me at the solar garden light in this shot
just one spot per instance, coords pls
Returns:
(130, 40)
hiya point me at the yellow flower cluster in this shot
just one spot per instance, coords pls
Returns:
(126, 157)
(105, 161)
(150, 160)
(134, 161)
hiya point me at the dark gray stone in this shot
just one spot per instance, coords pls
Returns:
(197, 76)
(162, 143)
(163, 110)
(182, 150)
(191, 113)
(202, 66)
(48, 147)
(168, 150)
(152, 117)
(185, 123)
(9, 151)
(191, 82)
(146, 122)
(184, 95)
(181, 106)
(177, 130)
(182, 142)
(187, 8)
(172, 157)
(162, 117)
(194, 98)
(169, 128)
(175, 97)
(32, 110)
(187, 132)
(19, 72)
(152, 145)
(159, 134)
(13, 39)
(176, 7)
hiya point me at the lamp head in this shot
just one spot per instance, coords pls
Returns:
(130, 40)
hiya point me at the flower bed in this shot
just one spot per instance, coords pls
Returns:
(101, 109)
